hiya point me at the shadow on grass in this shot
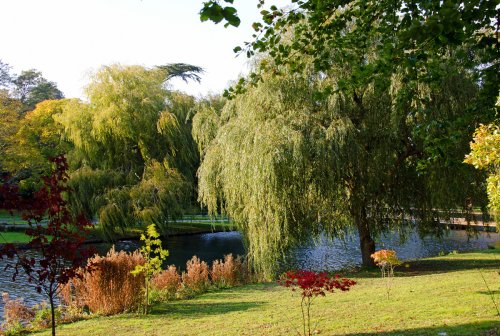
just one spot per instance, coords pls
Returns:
(433, 266)
(450, 265)
(493, 292)
(182, 309)
(485, 328)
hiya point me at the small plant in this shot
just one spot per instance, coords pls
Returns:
(110, 288)
(227, 273)
(387, 261)
(312, 285)
(16, 315)
(13, 329)
(167, 283)
(195, 278)
(153, 255)
(42, 317)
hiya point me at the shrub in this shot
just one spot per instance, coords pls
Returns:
(312, 285)
(13, 329)
(167, 282)
(43, 317)
(195, 278)
(109, 288)
(229, 272)
(16, 314)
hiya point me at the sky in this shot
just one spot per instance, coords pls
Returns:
(68, 40)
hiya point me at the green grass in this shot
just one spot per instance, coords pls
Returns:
(445, 294)
(14, 237)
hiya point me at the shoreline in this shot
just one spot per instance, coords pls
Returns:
(24, 246)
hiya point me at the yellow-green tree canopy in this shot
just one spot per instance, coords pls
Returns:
(40, 136)
(134, 159)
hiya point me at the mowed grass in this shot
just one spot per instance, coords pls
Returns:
(14, 238)
(432, 296)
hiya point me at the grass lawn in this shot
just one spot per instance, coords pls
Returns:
(437, 295)
(14, 237)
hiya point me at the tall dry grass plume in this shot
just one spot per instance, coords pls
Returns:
(195, 278)
(109, 288)
(229, 272)
(167, 281)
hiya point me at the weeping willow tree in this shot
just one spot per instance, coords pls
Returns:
(357, 115)
(292, 159)
(134, 159)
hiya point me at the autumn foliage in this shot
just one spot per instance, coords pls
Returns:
(168, 281)
(110, 288)
(195, 278)
(228, 272)
(311, 285)
(58, 242)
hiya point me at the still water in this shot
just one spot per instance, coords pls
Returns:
(324, 254)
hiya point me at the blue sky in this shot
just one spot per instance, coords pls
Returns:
(69, 39)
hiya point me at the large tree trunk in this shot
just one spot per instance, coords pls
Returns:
(366, 242)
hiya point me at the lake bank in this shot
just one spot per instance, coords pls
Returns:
(444, 295)
(324, 254)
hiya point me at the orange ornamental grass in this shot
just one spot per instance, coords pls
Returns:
(196, 276)
(110, 287)
(229, 272)
(168, 281)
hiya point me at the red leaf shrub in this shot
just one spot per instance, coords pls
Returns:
(312, 284)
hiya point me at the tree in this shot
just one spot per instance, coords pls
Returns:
(485, 154)
(363, 119)
(134, 156)
(59, 243)
(153, 255)
(39, 138)
(5, 77)
(22, 154)
(10, 115)
(407, 34)
(30, 87)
